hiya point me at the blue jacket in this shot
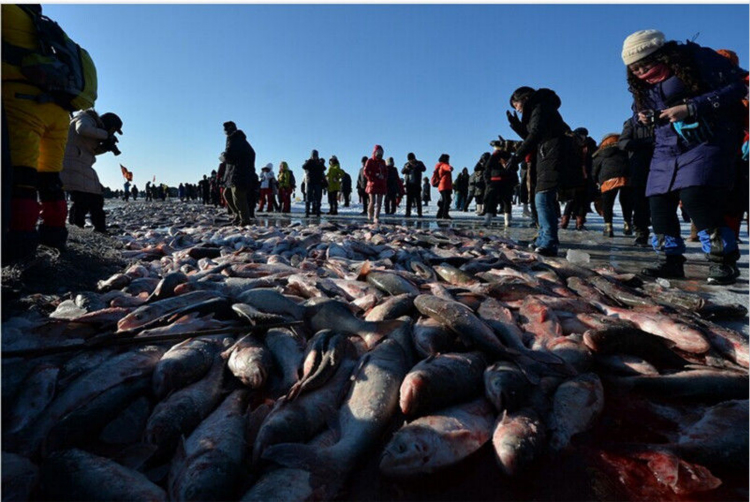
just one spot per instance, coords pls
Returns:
(675, 164)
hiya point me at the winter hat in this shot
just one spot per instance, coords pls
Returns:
(375, 150)
(268, 166)
(608, 140)
(641, 44)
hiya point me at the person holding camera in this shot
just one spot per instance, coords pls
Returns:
(89, 135)
(543, 131)
(693, 97)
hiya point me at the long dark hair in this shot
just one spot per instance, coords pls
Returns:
(679, 61)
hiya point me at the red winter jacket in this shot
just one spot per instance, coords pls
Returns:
(376, 174)
(444, 174)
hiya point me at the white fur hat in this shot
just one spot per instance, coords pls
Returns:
(641, 44)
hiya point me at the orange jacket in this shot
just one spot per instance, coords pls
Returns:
(444, 174)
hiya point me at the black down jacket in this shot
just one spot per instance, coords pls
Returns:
(239, 157)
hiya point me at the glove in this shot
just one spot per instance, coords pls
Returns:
(744, 151)
(514, 121)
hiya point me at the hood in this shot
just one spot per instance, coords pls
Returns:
(375, 149)
(543, 96)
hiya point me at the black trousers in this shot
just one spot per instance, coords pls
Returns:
(333, 202)
(390, 202)
(413, 198)
(498, 193)
(704, 204)
(444, 204)
(626, 203)
(641, 209)
(347, 198)
(85, 203)
(578, 205)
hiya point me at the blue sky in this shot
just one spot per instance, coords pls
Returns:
(430, 79)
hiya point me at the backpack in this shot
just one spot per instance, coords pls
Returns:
(60, 67)
(435, 180)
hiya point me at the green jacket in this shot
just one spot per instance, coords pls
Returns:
(334, 175)
(285, 179)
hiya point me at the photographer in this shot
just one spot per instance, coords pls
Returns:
(89, 135)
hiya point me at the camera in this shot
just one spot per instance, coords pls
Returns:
(110, 145)
(652, 116)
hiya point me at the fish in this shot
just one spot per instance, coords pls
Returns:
(577, 404)
(146, 314)
(323, 354)
(704, 384)
(519, 438)
(20, 477)
(36, 393)
(287, 350)
(185, 363)
(78, 475)
(391, 283)
(438, 440)
(506, 386)
(459, 319)
(208, 465)
(431, 338)
(452, 275)
(250, 361)
(273, 302)
(181, 412)
(336, 315)
(392, 308)
(441, 381)
(635, 342)
(368, 408)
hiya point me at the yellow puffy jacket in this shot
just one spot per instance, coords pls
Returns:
(18, 30)
(335, 175)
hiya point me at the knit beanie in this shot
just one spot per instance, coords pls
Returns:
(641, 44)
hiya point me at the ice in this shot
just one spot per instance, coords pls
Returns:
(577, 256)
(663, 283)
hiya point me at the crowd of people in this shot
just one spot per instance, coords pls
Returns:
(684, 147)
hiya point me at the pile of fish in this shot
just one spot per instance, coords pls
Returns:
(273, 363)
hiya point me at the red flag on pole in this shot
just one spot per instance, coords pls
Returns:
(126, 174)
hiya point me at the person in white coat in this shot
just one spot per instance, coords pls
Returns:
(88, 136)
(266, 187)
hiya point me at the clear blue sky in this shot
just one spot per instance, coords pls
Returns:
(341, 78)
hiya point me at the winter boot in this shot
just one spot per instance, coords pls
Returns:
(487, 219)
(608, 232)
(724, 269)
(54, 237)
(579, 223)
(670, 268)
(641, 238)
(507, 219)
(627, 229)
(526, 211)
(564, 221)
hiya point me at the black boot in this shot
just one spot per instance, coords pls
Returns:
(19, 245)
(641, 238)
(724, 272)
(670, 268)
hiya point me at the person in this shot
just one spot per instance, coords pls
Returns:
(362, 187)
(637, 140)
(180, 192)
(86, 134)
(478, 185)
(693, 95)
(499, 182)
(543, 131)
(376, 174)
(314, 176)
(134, 192)
(239, 160)
(285, 187)
(462, 188)
(37, 132)
(126, 191)
(346, 188)
(610, 171)
(334, 177)
(412, 172)
(148, 191)
(266, 189)
(444, 179)
(392, 188)
(205, 188)
(215, 188)
(426, 190)
(578, 195)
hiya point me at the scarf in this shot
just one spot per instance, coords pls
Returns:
(658, 73)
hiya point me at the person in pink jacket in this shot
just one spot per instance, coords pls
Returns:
(376, 174)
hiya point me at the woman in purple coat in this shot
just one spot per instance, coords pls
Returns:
(692, 96)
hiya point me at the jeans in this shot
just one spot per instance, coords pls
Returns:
(314, 195)
(546, 207)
